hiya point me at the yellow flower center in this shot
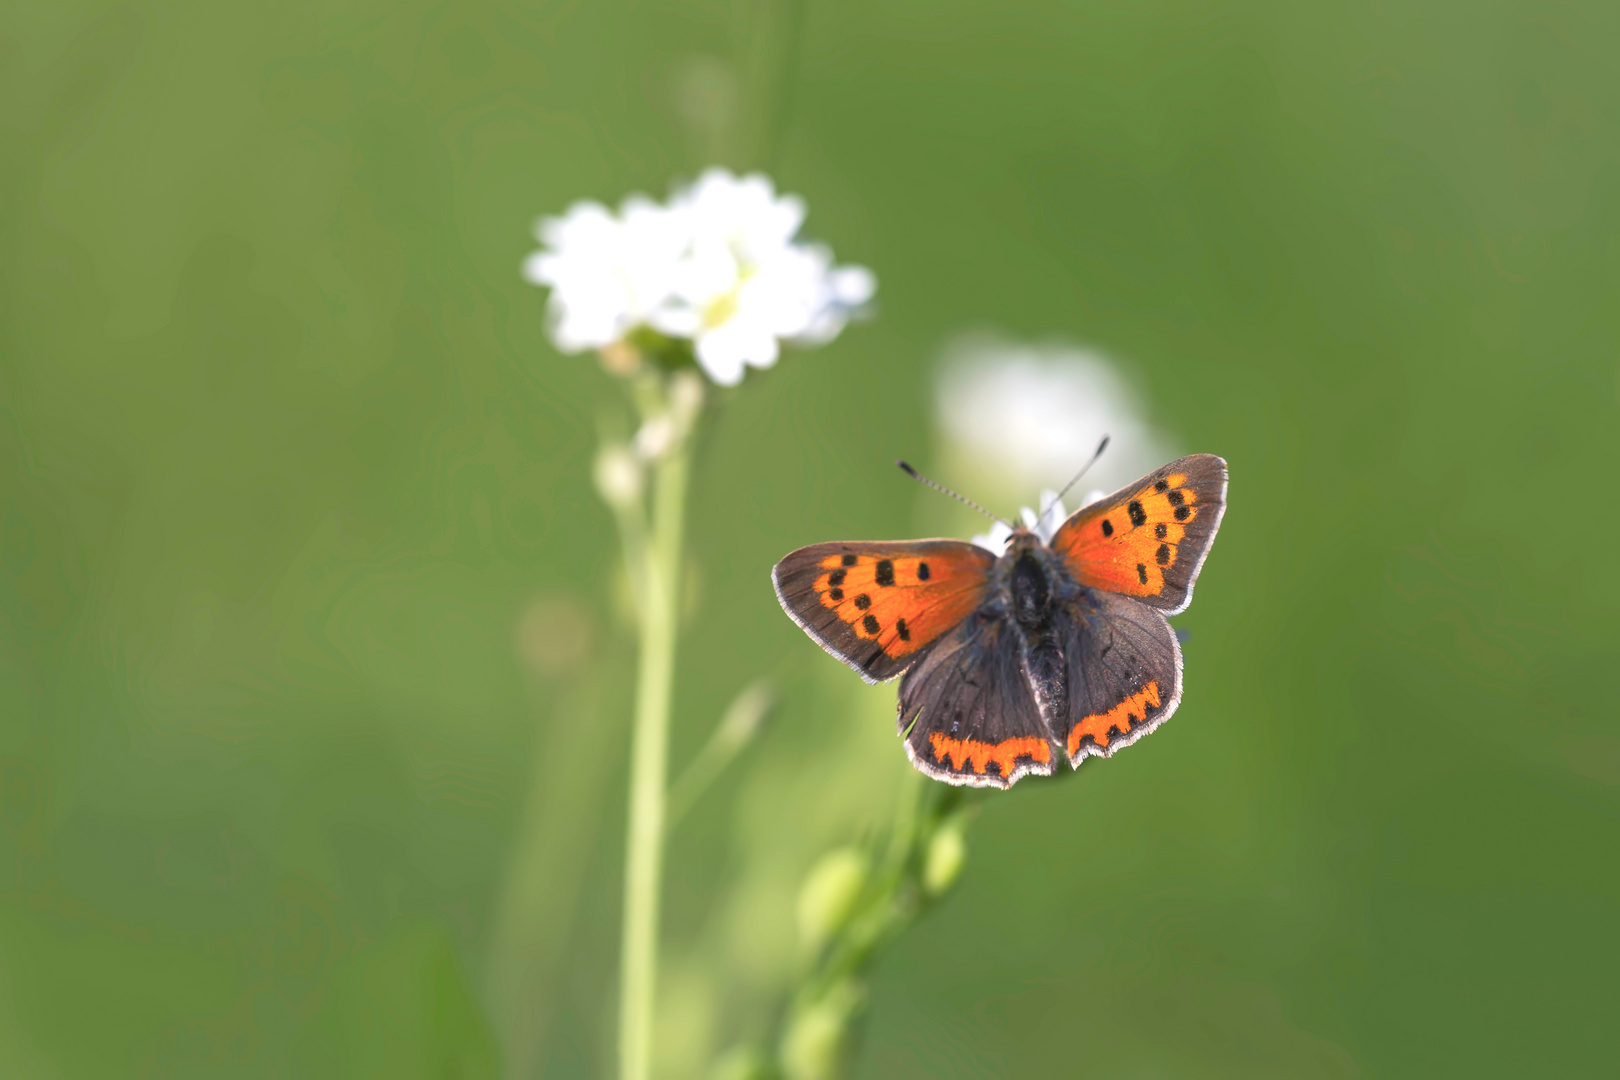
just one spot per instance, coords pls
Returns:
(721, 308)
(724, 306)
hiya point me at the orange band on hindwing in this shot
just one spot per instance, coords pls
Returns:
(961, 754)
(1120, 719)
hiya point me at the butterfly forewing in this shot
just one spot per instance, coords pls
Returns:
(1149, 539)
(967, 711)
(876, 605)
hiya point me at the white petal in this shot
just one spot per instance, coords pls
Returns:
(825, 325)
(676, 320)
(722, 364)
(535, 268)
(774, 225)
(1051, 516)
(995, 540)
(727, 348)
(853, 286)
(582, 223)
(575, 329)
(708, 271)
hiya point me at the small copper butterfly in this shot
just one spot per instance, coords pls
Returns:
(1009, 661)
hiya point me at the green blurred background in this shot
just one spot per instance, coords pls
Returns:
(313, 700)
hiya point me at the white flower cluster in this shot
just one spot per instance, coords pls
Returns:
(1033, 413)
(717, 265)
(1026, 414)
(1043, 523)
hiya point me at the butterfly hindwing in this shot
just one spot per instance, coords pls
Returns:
(1124, 673)
(967, 711)
(877, 605)
(1149, 539)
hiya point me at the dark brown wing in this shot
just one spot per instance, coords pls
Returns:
(967, 711)
(876, 605)
(1124, 673)
(1149, 539)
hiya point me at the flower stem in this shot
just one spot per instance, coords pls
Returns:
(644, 851)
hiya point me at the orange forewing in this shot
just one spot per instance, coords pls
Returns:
(1148, 540)
(875, 604)
(902, 602)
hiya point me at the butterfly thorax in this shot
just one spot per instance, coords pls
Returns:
(1028, 580)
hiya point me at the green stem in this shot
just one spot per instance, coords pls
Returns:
(644, 851)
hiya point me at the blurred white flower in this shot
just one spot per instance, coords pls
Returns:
(743, 285)
(607, 272)
(1017, 416)
(718, 266)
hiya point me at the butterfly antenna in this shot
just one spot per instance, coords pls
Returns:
(1059, 496)
(921, 479)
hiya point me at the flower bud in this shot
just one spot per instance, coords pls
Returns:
(947, 851)
(654, 438)
(618, 476)
(685, 397)
(815, 1044)
(828, 896)
(620, 358)
(741, 1063)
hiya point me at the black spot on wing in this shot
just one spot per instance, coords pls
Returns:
(871, 624)
(836, 577)
(885, 572)
(851, 560)
(1138, 515)
(922, 571)
(1108, 527)
(863, 602)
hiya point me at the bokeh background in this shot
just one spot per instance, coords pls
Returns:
(313, 667)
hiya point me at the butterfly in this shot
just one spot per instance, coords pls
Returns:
(1007, 662)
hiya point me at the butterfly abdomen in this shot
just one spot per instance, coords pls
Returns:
(1031, 592)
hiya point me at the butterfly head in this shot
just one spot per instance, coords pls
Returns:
(1021, 539)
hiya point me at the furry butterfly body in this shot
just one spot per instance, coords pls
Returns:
(1009, 663)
